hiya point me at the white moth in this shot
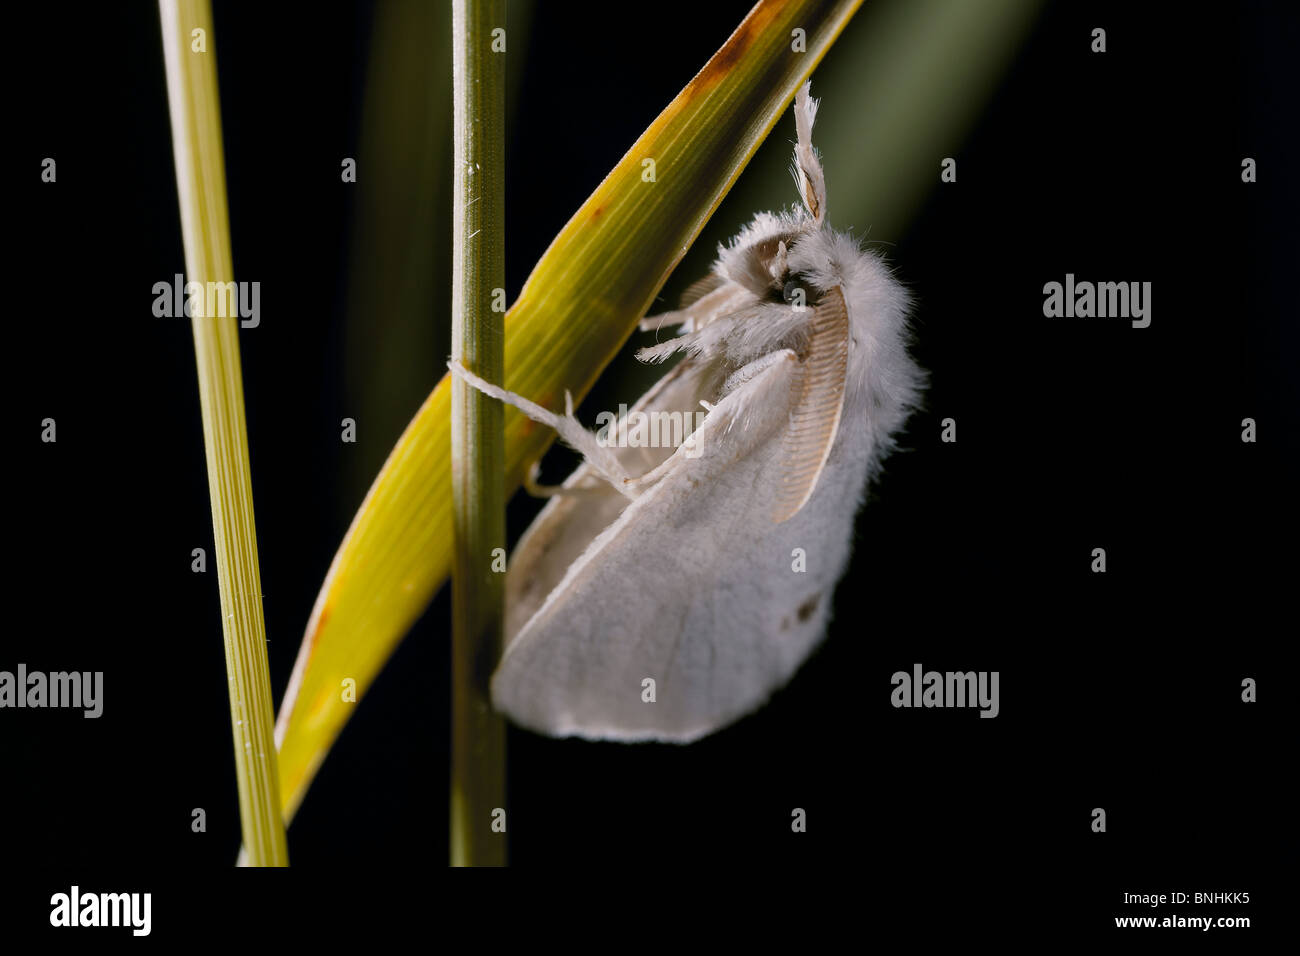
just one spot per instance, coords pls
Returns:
(664, 593)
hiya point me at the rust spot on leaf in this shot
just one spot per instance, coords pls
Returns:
(314, 635)
(737, 45)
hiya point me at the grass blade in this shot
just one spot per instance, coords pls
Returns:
(478, 735)
(201, 185)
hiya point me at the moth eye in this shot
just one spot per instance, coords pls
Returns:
(795, 291)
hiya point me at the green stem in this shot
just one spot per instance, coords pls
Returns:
(201, 185)
(477, 431)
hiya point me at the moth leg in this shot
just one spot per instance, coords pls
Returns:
(534, 488)
(537, 490)
(742, 336)
(660, 352)
(682, 315)
(638, 485)
(696, 311)
(694, 342)
(755, 368)
(568, 427)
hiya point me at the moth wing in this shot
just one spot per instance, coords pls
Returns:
(815, 417)
(689, 587)
(567, 524)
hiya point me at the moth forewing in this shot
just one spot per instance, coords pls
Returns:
(588, 504)
(667, 591)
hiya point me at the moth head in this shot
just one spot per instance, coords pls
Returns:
(762, 265)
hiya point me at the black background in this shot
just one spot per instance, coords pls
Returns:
(1119, 690)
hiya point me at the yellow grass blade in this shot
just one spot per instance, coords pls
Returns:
(579, 306)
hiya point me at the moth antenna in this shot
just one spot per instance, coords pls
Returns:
(819, 402)
(808, 168)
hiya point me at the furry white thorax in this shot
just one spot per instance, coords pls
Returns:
(883, 383)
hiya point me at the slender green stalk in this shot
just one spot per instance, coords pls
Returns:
(477, 430)
(201, 184)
